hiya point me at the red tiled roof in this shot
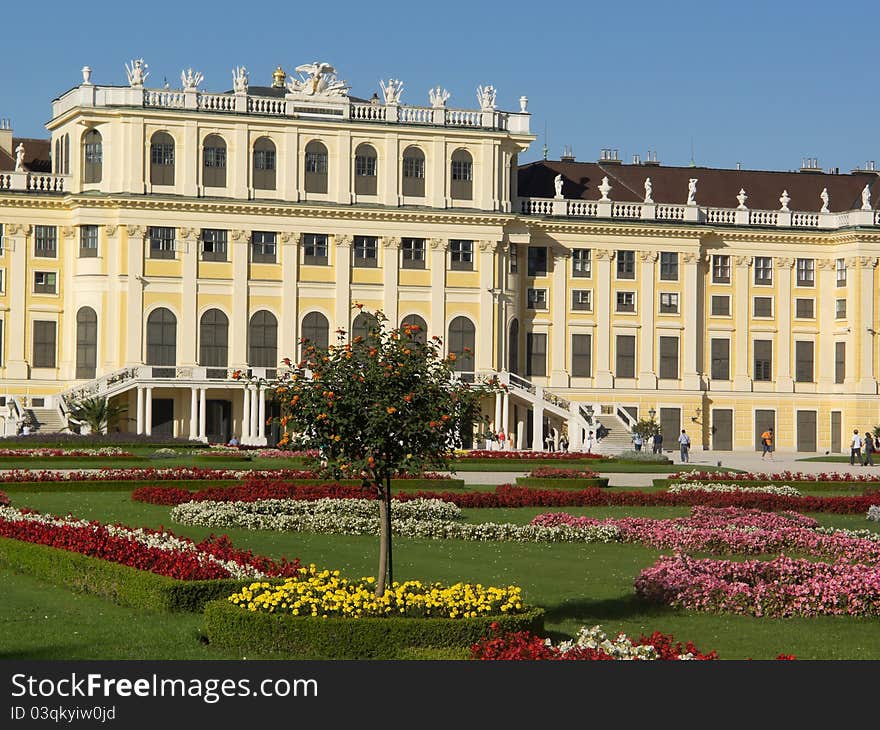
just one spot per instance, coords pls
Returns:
(36, 155)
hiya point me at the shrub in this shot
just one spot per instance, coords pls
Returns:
(646, 457)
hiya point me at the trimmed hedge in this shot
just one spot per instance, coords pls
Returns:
(810, 485)
(548, 483)
(249, 632)
(113, 581)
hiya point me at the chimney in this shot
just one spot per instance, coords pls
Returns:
(6, 137)
(651, 160)
(610, 157)
(567, 154)
(810, 164)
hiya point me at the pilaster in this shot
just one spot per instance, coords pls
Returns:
(437, 325)
(784, 380)
(603, 307)
(647, 369)
(559, 376)
(240, 291)
(16, 283)
(486, 324)
(867, 381)
(742, 379)
(825, 290)
(288, 326)
(343, 283)
(692, 378)
(134, 321)
(189, 260)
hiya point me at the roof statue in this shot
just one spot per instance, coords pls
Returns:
(866, 197)
(649, 190)
(692, 191)
(557, 183)
(87, 75)
(438, 97)
(317, 79)
(191, 79)
(240, 80)
(392, 90)
(523, 104)
(825, 198)
(137, 73)
(19, 158)
(486, 97)
(741, 198)
(784, 200)
(605, 188)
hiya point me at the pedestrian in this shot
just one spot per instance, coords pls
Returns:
(869, 449)
(589, 442)
(502, 438)
(637, 441)
(855, 448)
(767, 444)
(684, 442)
(658, 442)
(563, 443)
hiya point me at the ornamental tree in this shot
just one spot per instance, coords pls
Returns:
(375, 407)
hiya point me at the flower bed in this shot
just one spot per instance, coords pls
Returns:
(175, 473)
(590, 644)
(43, 453)
(432, 519)
(786, 477)
(548, 476)
(731, 531)
(528, 456)
(777, 588)
(782, 491)
(873, 513)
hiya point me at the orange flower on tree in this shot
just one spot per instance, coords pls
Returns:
(391, 409)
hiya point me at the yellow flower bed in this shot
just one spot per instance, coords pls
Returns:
(324, 593)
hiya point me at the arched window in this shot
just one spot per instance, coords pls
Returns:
(58, 163)
(263, 340)
(462, 176)
(513, 348)
(413, 320)
(316, 167)
(316, 329)
(93, 157)
(365, 170)
(264, 164)
(162, 159)
(86, 343)
(162, 338)
(413, 172)
(362, 326)
(66, 154)
(214, 162)
(214, 339)
(461, 342)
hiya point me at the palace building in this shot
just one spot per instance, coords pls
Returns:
(161, 240)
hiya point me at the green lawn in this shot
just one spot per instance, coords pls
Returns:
(577, 585)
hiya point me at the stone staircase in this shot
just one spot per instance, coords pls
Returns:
(45, 420)
(618, 438)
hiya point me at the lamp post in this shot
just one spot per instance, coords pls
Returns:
(652, 413)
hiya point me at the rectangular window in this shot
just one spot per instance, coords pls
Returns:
(161, 240)
(414, 167)
(720, 369)
(214, 244)
(264, 159)
(462, 170)
(626, 264)
(514, 259)
(839, 362)
(461, 255)
(46, 242)
(581, 263)
(668, 369)
(316, 162)
(840, 308)
(263, 247)
(582, 300)
(763, 307)
(366, 252)
(581, 356)
(88, 242)
(365, 166)
(45, 282)
(668, 266)
(537, 299)
(315, 249)
(215, 157)
(626, 301)
(720, 305)
(537, 262)
(625, 356)
(763, 270)
(806, 272)
(44, 344)
(803, 308)
(840, 268)
(413, 251)
(763, 360)
(536, 353)
(668, 303)
(721, 269)
(162, 154)
(803, 361)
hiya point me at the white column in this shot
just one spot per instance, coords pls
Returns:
(254, 413)
(437, 323)
(505, 417)
(520, 435)
(246, 415)
(148, 424)
(867, 381)
(203, 392)
(784, 381)
(390, 278)
(193, 414)
(538, 428)
(343, 286)
(603, 307)
(496, 424)
(135, 296)
(742, 379)
(261, 433)
(559, 376)
(692, 379)
(140, 410)
(647, 306)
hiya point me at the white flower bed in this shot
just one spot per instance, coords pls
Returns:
(620, 647)
(783, 491)
(418, 518)
(856, 534)
(874, 512)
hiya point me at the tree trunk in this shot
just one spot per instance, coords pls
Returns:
(390, 530)
(384, 545)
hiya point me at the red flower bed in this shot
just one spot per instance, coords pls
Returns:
(551, 472)
(508, 495)
(529, 455)
(4, 499)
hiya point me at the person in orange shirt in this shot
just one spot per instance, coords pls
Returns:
(767, 443)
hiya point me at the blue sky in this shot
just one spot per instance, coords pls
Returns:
(760, 83)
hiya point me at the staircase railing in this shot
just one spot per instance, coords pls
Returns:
(625, 416)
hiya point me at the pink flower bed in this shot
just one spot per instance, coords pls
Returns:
(176, 473)
(528, 455)
(778, 588)
(779, 476)
(550, 472)
(731, 530)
